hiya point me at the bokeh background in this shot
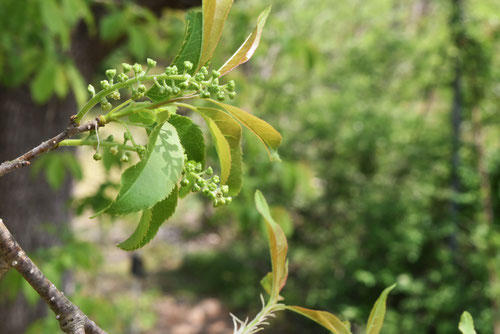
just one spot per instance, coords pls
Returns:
(389, 111)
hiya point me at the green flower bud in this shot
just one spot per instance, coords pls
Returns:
(198, 167)
(205, 94)
(222, 201)
(196, 188)
(194, 86)
(209, 171)
(124, 158)
(184, 85)
(224, 189)
(91, 89)
(185, 182)
(114, 150)
(188, 65)
(141, 89)
(201, 182)
(122, 77)
(215, 74)
(141, 149)
(232, 95)
(151, 63)
(215, 82)
(206, 191)
(136, 95)
(176, 90)
(212, 187)
(215, 179)
(111, 73)
(97, 156)
(211, 195)
(137, 68)
(175, 70)
(126, 67)
(126, 136)
(221, 96)
(231, 85)
(229, 200)
(199, 77)
(204, 70)
(115, 95)
(105, 84)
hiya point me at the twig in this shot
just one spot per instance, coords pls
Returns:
(24, 160)
(71, 319)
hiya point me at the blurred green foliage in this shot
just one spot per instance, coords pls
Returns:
(361, 92)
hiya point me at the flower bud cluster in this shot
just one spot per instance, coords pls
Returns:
(208, 186)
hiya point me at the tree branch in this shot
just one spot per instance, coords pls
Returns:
(24, 160)
(71, 319)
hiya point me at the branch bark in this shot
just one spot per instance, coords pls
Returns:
(24, 160)
(71, 319)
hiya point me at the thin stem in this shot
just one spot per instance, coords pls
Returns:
(89, 142)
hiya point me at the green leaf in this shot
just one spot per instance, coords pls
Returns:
(277, 244)
(191, 47)
(221, 145)
(185, 190)
(377, 314)
(113, 25)
(54, 171)
(146, 117)
(466, 325)
(325, 319)
(42, 86)
(232, 133)
(134, 241)
(214, 16)
(247, 49)
(263, 130)
(191, 137)
(60, 82)
(150, 222)
(154, 177)
(78, 85)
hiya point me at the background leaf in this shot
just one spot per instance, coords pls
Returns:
(247, 49)
(466, 325)
(191, 47)
(42, 86)
(191, 137)
(277, 244)
(232, 132)
(154, 177)
(377, 314)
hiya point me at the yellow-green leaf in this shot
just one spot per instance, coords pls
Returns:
(263, 130)
(377, 314)
(277, 244)
(222, 147)
(232, 132)
(325, 319)
(247, 49)
(215, 13)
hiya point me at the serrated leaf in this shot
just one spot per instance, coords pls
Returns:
(42, 86)
(377, 314)
(150, 222)
(160, 213)
(222, 147)
(247, 49)
(277, 244)
(325, 319)
(215, 13)
(263, 130)
(146, 117)
(191, 137)
(232, 132)
(154, 177)
(134, 241)
(191, 47)
(466, 325)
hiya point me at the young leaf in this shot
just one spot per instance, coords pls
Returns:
(263, 130)
(377, 314)
(42, 86)
(146, 117)
(191, 137)
(267, 283)
(134, 241)
(214, 16)
(191, 47)
(247, 49)
(466, 325)
(221, 145)
(325, 319)
(232, 132)
(277, 244)
(154, 177)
